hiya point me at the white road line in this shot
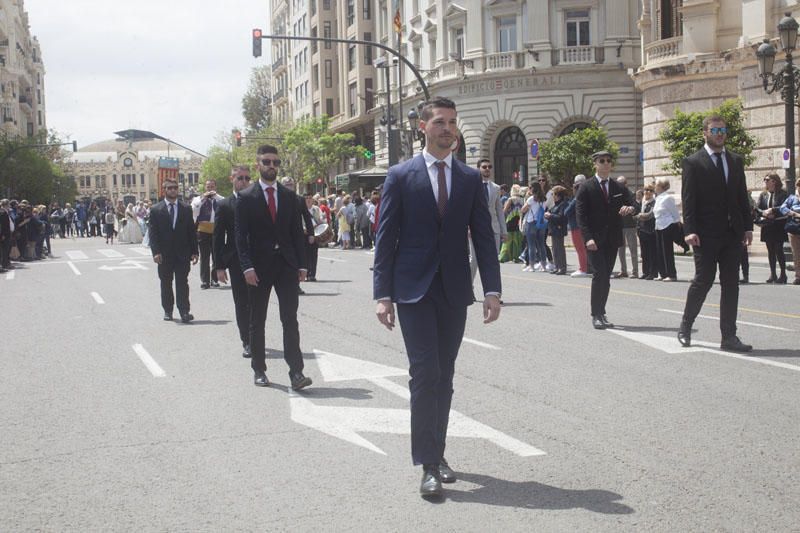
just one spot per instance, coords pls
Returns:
(10, 274)
(481, 344)
(74, 268)
(148, 361)
(709, 317)
(76, 255)
(111, 253)
(142, 251)
(98, 298)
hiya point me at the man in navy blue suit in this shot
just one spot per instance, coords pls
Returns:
(422, 263)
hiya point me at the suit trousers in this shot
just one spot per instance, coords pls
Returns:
(725, 252)
(432, 332)
(178, 271)
(602, 262)
(283, 278)
(312, 258)
(207, 274)
(5, 251)
(648, 244)
(629, 234)
(241, 301)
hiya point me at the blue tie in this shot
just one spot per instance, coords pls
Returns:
(172, 215)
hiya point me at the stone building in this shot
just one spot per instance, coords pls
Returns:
(22, 99)
(126, 167)
(699, 53)
(519, 70)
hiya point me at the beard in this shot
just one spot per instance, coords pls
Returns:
(268, 175)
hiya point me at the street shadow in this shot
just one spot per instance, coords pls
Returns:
(672, 329)
(207, 322)
(533, 495)
(347, 393)
(775, 353)
(333, 281)
(526, 304)
(307, 294)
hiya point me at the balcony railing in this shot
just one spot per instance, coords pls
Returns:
(664, 49)
(504, 61)
(278, 63)
(577, 55)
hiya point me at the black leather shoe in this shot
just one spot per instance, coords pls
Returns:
(246, 351)
(781, 280)
(204, 286)
(299, 381)
(744, 281)
(446, 473)
(167, 316)
(608, 324)
(187, 317)
(771, 279)
(260, 379)
(431, 486)
(685, 337)
(300, 291)
(598, 323)
(733, 344)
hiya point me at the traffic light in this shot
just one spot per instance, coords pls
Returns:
(74, 146)
(237, 137)
(368, 153)
(256, 42)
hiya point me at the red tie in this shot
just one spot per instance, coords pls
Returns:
(603, 185)
(442, 200)
(271, 203)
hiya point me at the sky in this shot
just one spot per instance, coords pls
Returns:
(177, 68)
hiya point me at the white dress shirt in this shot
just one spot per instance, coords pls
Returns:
(274, 185)
(433, 172)
(714, 159)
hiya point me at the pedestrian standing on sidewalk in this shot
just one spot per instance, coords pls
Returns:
(772, 223)
(791, 209)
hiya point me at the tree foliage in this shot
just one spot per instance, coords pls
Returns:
(256, 102)
(683, 134)
(312, 150)
(564, 157)
(32, 172)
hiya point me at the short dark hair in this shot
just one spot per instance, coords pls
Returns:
(171, 180)
(504, 187)
(427, 108)
(266, 149)
(482, 161)
(712, 118)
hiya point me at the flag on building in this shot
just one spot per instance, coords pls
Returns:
(398, 22)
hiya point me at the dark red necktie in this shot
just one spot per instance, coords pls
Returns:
(604, 185)
(442, 199)
(271, 203)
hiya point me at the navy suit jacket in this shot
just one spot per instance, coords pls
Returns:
(413, 241)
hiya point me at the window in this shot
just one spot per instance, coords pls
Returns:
(326, 5)
(353, 99)
(315, 78)
(141, 179)
(458, 42)
(326, 33)
(38, 96)
(369, 93)
(367, 5)
(351, 57)
(115, 180)
(351, 12)
(577, 28)
(30, 129)
(506, 34)
(328, 74)
(669, 18)
(313, 34)
(329, 107)
(40, 118)
(368, 49)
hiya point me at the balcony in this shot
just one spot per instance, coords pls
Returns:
(504, 61)
(280, 93)
(663, 50)
(278, 64)
(25, 101)
(578, 55)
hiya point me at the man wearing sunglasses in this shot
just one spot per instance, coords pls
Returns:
(492, 192)
(270, 242)
(226, 257)
(716, 221)
(600, 205)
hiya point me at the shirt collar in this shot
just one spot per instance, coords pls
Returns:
(710, 151)
(430, 160)
(265, 186)
(600, 180)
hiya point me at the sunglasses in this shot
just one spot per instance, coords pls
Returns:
(541, 179)
(171, 187)
(718, 131)
(271, 162)
(603, 160)
(243, 178)
(486, 166)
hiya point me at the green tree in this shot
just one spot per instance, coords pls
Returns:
(32, 171)
(564, 157)
(312, 150)
(683, 134)
(256, 102)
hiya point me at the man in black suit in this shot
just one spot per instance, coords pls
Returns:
(716, 221)
(269, 239)
(173, 243)
(226, 256)
(600, 205)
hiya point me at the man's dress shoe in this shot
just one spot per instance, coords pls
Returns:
(685, 337)
(187, 317)
(204, 286)
(431, 486)
(260, 379)
(246, 351)
(167, 316)
(733, 344)
(299, 381)
(598, 323)
(446, 473)
(605, 321)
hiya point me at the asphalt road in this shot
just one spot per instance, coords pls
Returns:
(114, 420)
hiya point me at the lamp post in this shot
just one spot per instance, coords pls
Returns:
(787, 81)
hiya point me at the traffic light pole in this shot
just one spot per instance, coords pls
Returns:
(384, 47)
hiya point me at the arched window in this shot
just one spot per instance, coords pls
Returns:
(510, 156)
(574, 127)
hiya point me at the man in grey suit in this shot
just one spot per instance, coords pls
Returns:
(492, 192)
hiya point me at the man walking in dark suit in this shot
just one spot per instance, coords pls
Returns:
(226, 256)
(421, 262)
(716, 221)
(600, 205)
(173, 243)
(269, 239)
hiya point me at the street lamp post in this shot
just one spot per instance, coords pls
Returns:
(787, 81)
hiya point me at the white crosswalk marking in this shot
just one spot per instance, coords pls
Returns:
(76, 255)
(10, 274)
(111, 254)
(142, 251)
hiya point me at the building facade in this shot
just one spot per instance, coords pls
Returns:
(699, 53)
(519, 71)
(126, 167)
(22, 98)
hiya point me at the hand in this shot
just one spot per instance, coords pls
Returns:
(693, 239)
(157, 259)
(310, 239)
(194, 259)
(302, 274)
(547, 215)
(748, 238)
(591, 245)
(251, 278)
(222, 275)
(504, 238)
(491, 308)
(626, 210)
(385, 312)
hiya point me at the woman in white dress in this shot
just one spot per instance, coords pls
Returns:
(132, 232)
